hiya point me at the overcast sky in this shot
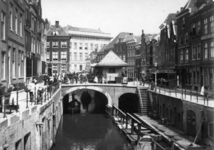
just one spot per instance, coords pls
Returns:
(111, 16)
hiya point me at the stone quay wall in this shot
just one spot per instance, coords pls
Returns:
(34, 128)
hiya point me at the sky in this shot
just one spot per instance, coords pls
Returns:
(111, 16)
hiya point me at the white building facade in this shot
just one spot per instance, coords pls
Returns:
(84, 41)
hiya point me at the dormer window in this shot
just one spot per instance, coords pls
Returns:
(55, 33)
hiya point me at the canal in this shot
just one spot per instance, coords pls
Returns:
(89, 132)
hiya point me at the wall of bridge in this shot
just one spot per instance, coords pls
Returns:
(112, 92)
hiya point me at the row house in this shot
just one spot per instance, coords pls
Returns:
(4, 28)
(58, 50)
(117, 39)
(167, 51)
(12, 42)
(131, 41)
(15, 43)
(201, 38)
(151, 49)
(20, 40)
(195, 44)
(120, 49)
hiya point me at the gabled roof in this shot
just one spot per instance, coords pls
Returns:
(121, 35)
(56, 31)
(111, 60)
(170, 17)
(71, 28)
(102, 49)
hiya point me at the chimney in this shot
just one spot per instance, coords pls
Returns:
(57, 24)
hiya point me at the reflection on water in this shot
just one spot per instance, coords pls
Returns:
(89, 132)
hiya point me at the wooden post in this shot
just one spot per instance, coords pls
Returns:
(138, 134)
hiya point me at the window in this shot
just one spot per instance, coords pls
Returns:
(198, 27)
(63, 68)
(193, 29)
(27, 142)
(183, 22)
(55, 55)
(212, 49)
(80, 47)
(111, 70)
(205, 50)
(19, 63)
(18, 145)
(186, 38)
(71, 45)
(70, 56)
(75, 67)
(3, 68)
(3, 31)
(20, 25)
(211, 24)
(181, 41)
(86, 46)
(48, 56)
(81, 57)
(205, 26)
(54, 68)
(48, 44)
(199, 51)
(13, 63)
(86, 55)
(16, 22)
(55, 44)
(11, 17)
(80, 67)
(75, 45)
(75, 56)
(181, 56)
(91, 46)
(96, 47)
(63, 55)
(22, 64)
(194, 51)
(187, 55)
(63, 44)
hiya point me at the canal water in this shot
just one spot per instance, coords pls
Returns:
(89, 132)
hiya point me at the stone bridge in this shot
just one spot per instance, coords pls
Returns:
(111, 91)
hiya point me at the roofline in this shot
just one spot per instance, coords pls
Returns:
(72, 35)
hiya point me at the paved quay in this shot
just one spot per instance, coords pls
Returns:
(179, 137)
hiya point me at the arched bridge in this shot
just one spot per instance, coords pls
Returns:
(111, 91)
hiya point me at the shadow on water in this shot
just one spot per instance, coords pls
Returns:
(89, 132)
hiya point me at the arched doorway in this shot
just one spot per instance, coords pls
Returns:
(191, 123)
(129, 103)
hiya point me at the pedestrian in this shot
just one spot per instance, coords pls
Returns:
(206, 94)
(202, 90)
(152, 85)
(95, 79)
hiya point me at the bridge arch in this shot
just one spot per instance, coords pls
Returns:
(72, 89)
